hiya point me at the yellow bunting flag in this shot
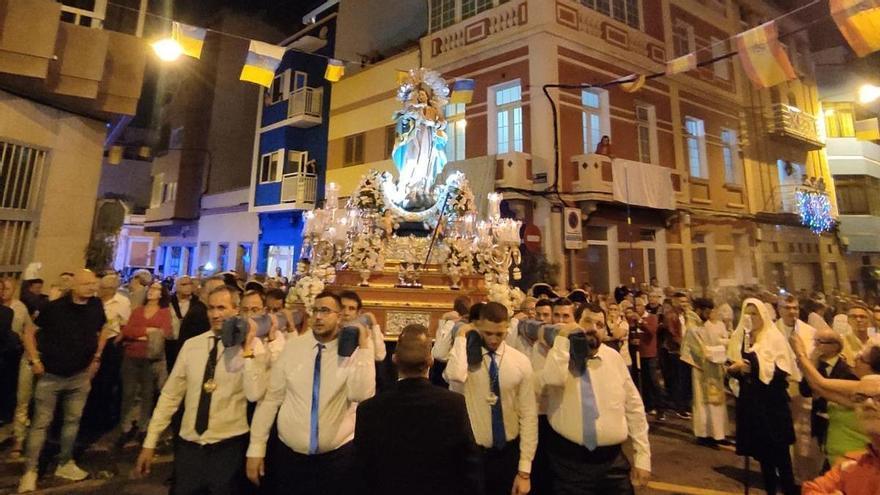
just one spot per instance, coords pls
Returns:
(114, 155)
(262, 60)
(867, 130)
(402, 76)
(859, 23)
(462, 91)
(335, 70)
(681, 64)
(190, 38)
(633, 85)
(763, 57)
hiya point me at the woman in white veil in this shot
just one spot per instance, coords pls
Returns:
(762, 361)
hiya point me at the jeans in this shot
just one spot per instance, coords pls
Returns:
(73, 391)
(23, 396)
(140, 377)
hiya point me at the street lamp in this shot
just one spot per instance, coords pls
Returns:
(868, 93)
(167, 49)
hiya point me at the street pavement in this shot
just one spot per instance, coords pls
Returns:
(679, 466)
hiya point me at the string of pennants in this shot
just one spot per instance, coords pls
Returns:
(761, 53)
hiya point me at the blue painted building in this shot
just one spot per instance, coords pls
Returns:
(290, 153)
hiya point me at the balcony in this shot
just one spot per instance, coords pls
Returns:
(298, 190)
(514, 170)
(305, 107)
(599, 177)
(503, 18)
(793, 125)
(851, 156)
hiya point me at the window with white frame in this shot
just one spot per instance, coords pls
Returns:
(721, 68)
(626, 11)
(695, 139)
(442, 14)
(593, 118)
(646, 125)
(296, 161)
(354, 150)
(508, 118)
(456, 125)
(298, 81)
(683, 39)
(279, 89)
(730, 156)
(271, 167)
(470, 8)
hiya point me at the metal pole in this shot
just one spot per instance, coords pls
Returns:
(747, 476)
(436, 228)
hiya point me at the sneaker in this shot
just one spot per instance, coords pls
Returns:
(652, 412)
(683, 414)
(28, 482)
(70, 471)
(661, 416)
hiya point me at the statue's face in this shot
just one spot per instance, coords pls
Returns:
(423, 96)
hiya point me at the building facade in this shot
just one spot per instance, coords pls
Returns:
(290, 147)
(697, 188)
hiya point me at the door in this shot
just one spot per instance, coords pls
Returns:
(632, 265)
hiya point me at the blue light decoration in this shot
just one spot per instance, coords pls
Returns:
(814, 209)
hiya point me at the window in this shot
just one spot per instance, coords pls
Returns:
(852, 195)
(730, 155)
(470, 8)
(839, 121)
(204, 253)
(456, 125)
(222, 256)
(243, 258)
(695, 139)
(158, 190)
(299, 81)
(271, 167)
(683, 40)
(442, 14)
(721, 68)
(354, 150)
(296, 161)
(626, 11)
(591, 119)
(169, 191)
(509, 118)
(646, 121)
(390, 140)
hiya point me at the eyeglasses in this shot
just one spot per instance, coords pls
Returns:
(323, 311)
(862, 398)
(826, 342)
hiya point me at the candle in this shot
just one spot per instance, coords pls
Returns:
(331, 196)
(494, 205)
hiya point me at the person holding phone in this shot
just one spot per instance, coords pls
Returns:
(313, 390)
(496, 381)
(762, 362)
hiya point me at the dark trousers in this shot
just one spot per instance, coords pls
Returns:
(500, 467)
(652, 391)
(677, 378)
(102, 410)
(541, 479)
(292, 473)
(777, 472)
(579, 471)
(215, 469)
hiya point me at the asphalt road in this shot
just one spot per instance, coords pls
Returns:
(679, 466)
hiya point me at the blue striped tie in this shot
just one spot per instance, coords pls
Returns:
(316, 396)
(499, 437)
(589, 411)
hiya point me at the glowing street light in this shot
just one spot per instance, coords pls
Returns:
(167, 49)
(868, 93)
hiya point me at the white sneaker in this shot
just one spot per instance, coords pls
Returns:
(28, 482)
(70, 471)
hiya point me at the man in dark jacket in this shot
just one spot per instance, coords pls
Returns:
(196, 320)
(429, 448)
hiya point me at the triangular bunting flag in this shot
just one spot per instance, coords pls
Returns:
(262, 60)
(867, 130)
(763, 57)
(634, 85)
(462, 91)
(190, 38)
(681, 64)
(335, 70)
(859, 23)
(402, 75)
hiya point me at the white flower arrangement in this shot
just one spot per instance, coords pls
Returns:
(368, 196)
(461, 198)
(305, 291)
(511, 297)
(459, 259)
(367, 251)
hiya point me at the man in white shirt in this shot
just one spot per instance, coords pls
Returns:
(313, 391)
(352, 308)
(208, 379)
(261, 350)
(445, 335)
(593, 407)
(500, 397)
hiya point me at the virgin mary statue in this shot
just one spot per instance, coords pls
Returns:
(421, 138)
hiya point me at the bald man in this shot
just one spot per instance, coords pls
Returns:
(63, 347)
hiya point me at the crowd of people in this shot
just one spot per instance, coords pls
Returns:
(258, 396)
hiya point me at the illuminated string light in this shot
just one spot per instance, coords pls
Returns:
(814, 209)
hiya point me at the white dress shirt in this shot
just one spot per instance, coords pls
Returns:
(345, 381)
(20, 317)
(621, 412)
(379, 343)
(443, 340)
(518, 404)
(256, 369)
(117, 310)
(228, 413)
